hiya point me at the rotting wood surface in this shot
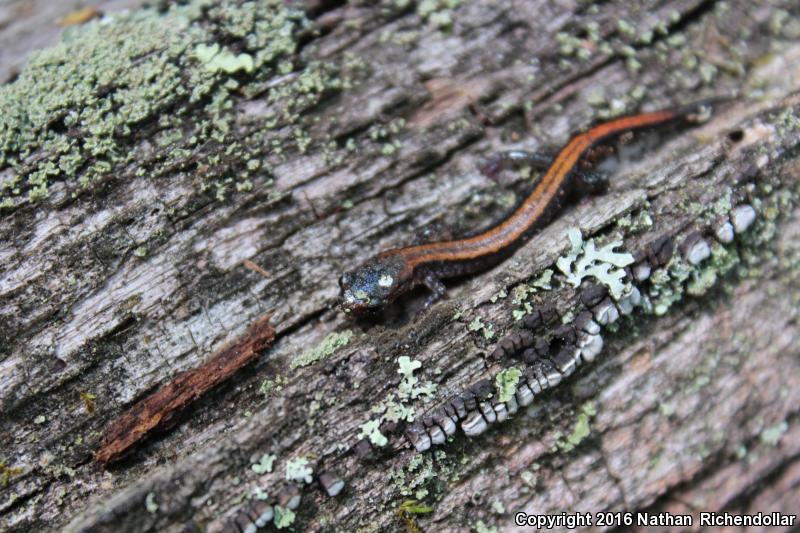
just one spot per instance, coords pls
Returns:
(693, 410)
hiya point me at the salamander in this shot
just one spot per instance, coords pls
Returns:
(383, 278)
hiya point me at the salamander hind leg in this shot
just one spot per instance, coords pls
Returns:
(590, 182)
(514, 159)
(434, 284)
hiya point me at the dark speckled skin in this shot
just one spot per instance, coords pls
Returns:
(385, 277)
(376, 283)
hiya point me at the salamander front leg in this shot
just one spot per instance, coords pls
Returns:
(514, 159)
(435, 285)
(590, 182)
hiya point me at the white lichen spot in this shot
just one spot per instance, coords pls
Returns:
(585, 260)
(407, 367)
(544, 280)
(773, 434)
(371, 430)
(385, 280)
(150, 503)
(264, 465)
(298, 470)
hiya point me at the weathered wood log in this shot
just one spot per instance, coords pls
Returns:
(143, 159)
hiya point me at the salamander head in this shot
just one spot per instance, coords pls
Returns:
(373, 285)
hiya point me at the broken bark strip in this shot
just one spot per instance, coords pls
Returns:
(157, 410)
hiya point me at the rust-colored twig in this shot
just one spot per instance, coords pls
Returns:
(156, 411)
(255, 268)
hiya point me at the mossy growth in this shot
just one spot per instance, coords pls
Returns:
(284, 517)
(425, 476)
(265, 464)
(327, 347)
(398, 406)
(141, 94)
(580, 431)
(506, 383)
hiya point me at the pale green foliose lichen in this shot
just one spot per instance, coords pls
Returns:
(506, 383)
(150, 503)
(284, 517)
(586, 260)
(478, 325)
(371, 430)
(773, 434)
(270, 386)
(264, 465)
(298, 470)
(398, 406)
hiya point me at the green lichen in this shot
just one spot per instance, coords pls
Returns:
(84, 110)
(773, 434)
(398, 406)
(499, 295)
(481, 527)
(581, 430)
(438, 12)
(216, 59)
(666, 409)
(8, 472)
(414, 507)
(283, 518)
(371, 430)
(394, 411)
(424, 475)
(258, 493)
(264, 465)
(478, 325)
(270, 386)
(544, 280)
(408, 388)
(506, 383)
(326, 348)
